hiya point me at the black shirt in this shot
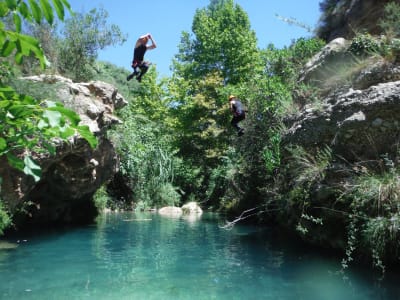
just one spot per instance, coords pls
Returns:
(138, 54)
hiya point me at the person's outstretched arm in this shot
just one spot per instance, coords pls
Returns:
(153, 43)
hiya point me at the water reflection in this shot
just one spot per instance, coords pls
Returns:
(145, 256)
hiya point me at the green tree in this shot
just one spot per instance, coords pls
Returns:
(222, 41)
(200, 122)
(83, 36)
(28, 125)
(147, 160)
(147, 156)
(221, 52)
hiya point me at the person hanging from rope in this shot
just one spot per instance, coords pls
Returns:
(138, 56)
(238, 112)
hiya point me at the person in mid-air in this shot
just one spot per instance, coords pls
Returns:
(138, 57)
(238, 112)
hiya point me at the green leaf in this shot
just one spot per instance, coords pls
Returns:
(5, 103)
(59, 8)
(67, 132)
(47, 11)
(85, 132)
(66, 4)
(54, 117)
(20, 111)
(50, 147)
(4, 10)
(24, 10)
(15, 161)
(31, 168)
(42, 124)
(17, 22)
(7, 48)
(27, 44)
(12, 4)
(18, 58)
(72, 116)
(36, 12)
(3, 144)
(6, 89)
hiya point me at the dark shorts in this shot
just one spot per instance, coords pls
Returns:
(140, 64)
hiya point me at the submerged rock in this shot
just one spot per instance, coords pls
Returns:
(170, 211)
(4, 245)
(191, 208)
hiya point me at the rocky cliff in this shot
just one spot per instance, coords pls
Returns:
(358, 118)
(358, 115)
(71, 177)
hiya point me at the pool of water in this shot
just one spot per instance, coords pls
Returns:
(145, 256)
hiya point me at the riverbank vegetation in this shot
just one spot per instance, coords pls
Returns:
(176, 144)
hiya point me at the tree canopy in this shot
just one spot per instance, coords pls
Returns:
(222, 41)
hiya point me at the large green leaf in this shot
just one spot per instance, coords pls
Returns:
(12, 4)
(42, 124)
(4, 103)
(17, 22)
(59, 8)
(27, 44)
(66, 132)
(24, 10)
(54, 117)
(72, 116)
(6, 90)
(21, 111)
(15, 161)
(31, 168)
(4, 10)
(7, 48)
(47, 11)
(85, 132)
(36, 12)
(66, 4)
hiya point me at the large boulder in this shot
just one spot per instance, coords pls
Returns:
(325, 63)
(191, 208)
(71, 176)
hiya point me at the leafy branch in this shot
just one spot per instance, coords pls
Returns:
(27, 124)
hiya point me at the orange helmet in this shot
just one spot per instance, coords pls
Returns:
(231, 97)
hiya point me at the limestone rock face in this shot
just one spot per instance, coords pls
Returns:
(356, 124)
(357, 118)
(359, 112)
(71, 177)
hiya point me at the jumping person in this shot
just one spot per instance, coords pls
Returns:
(238, 112)
(138, 56)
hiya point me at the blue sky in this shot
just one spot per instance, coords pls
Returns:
(166, 19)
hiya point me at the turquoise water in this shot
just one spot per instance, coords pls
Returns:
(145, 256)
